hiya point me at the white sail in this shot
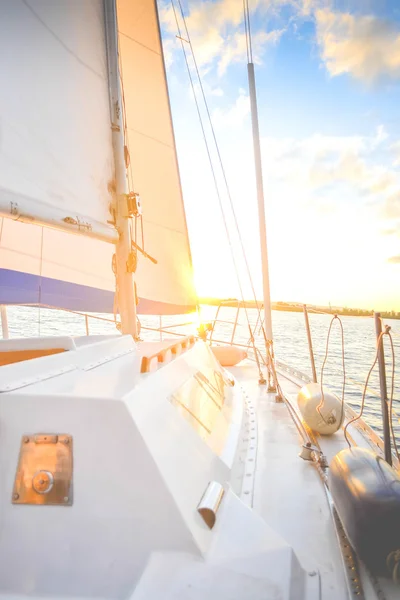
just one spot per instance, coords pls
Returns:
(41, 265)
(153, 161)
(56, 162)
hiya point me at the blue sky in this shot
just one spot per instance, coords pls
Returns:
(328, 80)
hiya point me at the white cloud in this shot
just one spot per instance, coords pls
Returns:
(395, 148)
(217, 33)
(366, 47)
(235, 50)
(235, 115)
(318, 163)
(168, 48)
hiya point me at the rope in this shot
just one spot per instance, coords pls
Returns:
(354, 419)
(320, 405)
(391, 410)
(387, 332)
(260, 373)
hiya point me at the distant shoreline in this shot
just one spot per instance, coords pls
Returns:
(292, 307)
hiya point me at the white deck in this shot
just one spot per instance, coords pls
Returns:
(141, 465)
(289, 493)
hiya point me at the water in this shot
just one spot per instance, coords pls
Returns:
(290, 344)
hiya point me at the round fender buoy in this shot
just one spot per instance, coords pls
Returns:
(228, 356)
(322, 414)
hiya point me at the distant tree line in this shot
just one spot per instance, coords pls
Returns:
(295, 307)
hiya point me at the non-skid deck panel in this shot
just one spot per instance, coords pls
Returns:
(289, 493)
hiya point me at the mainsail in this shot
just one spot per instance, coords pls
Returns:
(56, 160)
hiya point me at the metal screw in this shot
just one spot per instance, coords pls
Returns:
(66, 441)
(312, 573)
(66, 498)
(26, 440)
(15, 496)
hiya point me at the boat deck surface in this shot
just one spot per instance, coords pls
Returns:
(288, 493)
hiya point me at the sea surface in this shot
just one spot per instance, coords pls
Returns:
(290, 342)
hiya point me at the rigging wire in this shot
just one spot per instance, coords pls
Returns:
(189, 41)
(246, 13)
(209, 153)
(246, 32)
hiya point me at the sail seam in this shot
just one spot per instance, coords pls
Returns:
(150, 137)
(139, 43)
(164, 227)
(55, 36)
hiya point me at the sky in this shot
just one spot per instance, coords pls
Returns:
(328, 83)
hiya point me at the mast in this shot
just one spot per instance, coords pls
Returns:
(124, 278)
(261, 203)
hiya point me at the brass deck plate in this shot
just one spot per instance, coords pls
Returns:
(44, 473)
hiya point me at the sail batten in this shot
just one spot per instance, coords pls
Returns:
(29, 210)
